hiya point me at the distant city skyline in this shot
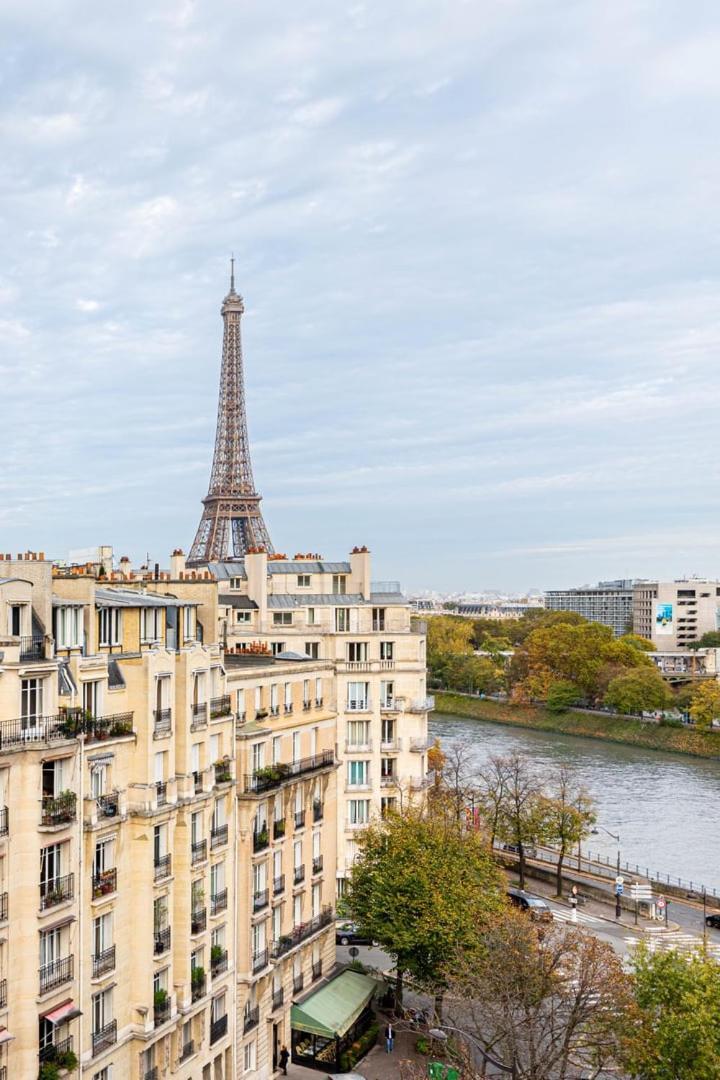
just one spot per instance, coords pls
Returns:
(479, 271)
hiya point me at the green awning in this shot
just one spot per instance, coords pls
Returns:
(335, 1007)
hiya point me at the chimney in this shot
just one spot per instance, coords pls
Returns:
(125, 567)
(360, 572)
(177, 563)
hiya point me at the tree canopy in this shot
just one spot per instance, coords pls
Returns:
(637, 691)
(705, 703)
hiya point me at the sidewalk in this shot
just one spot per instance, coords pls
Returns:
(377, 1065)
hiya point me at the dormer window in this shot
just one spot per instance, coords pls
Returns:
(150, 625)
(236, 583)
(68, 627)
(110, 626)
(303, 581)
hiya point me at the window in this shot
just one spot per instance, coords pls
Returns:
(282, 618)
(101, 1010)
(339, 584)
(342, 619)
(318, 692)
(387, 694)
(387, 650)
(358, 732)
(276, 749)
(277, 920)
(50, 946)
(297, 853)
(387, 767)
(110, 626)
(31, 700)
(357, 651)
(358, 811)
(378, 618)
(104, 1074)
(274, 706)
(312, 649)
(217, 1008)
(249, 1056)
(316, 900)
(243, 616)
(53, 776)
(92, 697)
(217, 879)
(160, 767)
(303, 581)
(388, 731)
(15, 619)
(297, 910)
(388, 805)
(306, 693)
(258, 755)
(160, 842)
(288, 697)
(258, 698)
(150, 624)
(235, 583)
(277, 647)
(358, 773)
(358, 696)
(68, 627)
(98, 779)
(311, 616)
(50, 864)
(104, 858)
(102, 933)
(196, 827)
(296, 746)
(189, 624)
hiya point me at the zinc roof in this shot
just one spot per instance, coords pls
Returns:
(291, 600)
(128, 598)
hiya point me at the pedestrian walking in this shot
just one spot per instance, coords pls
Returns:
(284, 1058)
(389, 1038)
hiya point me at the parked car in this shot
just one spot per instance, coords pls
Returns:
(347, 933)
(538, 909)
(529, 849)
(713, 920)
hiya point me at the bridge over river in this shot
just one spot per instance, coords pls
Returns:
(665, 807)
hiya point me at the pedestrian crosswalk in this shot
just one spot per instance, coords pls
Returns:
(560, 915)
(676, 940)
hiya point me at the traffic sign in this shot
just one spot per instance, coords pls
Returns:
(640, 891)
(354, 951)
(661, 902)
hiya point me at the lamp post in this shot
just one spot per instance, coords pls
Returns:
(613, 836)
(618, 879)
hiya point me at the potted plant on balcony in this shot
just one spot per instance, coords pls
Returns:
(161, 1002)
(49, 1070)
(197, 981)
(216, 955)
(67, 1060)
(222, 771)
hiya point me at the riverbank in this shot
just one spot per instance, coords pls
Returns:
(617, 729)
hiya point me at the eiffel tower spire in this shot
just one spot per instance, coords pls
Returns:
(231, 520)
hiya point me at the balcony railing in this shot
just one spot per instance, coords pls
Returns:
(161, 1012)
(56, 973)
(260, 960)
(218, 836)
(251, 1019)
(261, 840)
(278, 998)
(188, 1049)
(56, 1051)
(301, 933)
(279, 884)
(103, 962)
(3, 907)
(59, 809)
(160, 792)
(99, 728)
(218, 961)
(56, 891)
(104, 883)
(32, 647)
(104, 1037)
(199, 851)
(163, 939)
(388, 781)
(278, 829)
(298, 983)
(274, 775)
(317, 864)
(162, 724)
(3, 993)
(298, 875)
(218, 1028)
(198, 920)
(300, 819)
(261, 900)
(317, 969)
(220, 706)
(163, 867)
(4, 821)
(419, 746)
(151, 1074)
(108, 805)
(31, 729)
(199, 716)
(219, 902)
(318, 810)
(198, 984)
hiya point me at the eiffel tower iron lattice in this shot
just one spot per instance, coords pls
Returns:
(231, 521)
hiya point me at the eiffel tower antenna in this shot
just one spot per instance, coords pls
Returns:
(231, 521)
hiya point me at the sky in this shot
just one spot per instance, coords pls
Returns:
(478, 244)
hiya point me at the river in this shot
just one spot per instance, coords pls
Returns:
(665, 807)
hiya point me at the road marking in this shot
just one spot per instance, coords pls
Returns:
(567, 916)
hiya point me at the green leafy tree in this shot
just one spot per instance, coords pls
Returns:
(638, 690)
(705, 703)
(424, 889)
(709, 640)
(637, 642)
(568, 816)
(561, 696)
(677, 1032)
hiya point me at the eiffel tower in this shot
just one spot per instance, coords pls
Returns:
(231, 522)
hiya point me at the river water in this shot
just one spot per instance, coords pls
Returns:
(665, 807)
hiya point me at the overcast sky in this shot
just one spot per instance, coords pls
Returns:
(479, 249)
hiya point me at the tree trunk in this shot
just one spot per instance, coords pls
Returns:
(558, 881)
(438, 999)
(399, 991)
(521, 854)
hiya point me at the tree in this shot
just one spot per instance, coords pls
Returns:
(424, 889)
(561, 696)
(637, 691)
(551, 1007)
(637, 642)
(709, 640)
(569, 815)
(493, 780)
(705, 703)
(454, 777)
(513, 794)
(677, 1034)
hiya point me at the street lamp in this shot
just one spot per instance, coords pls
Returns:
(614, 836)
(618, 879)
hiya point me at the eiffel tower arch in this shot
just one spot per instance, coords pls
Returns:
(232, 521)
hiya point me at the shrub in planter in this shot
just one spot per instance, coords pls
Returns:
(216, 954)
(68, 1061)
(160, 999)
(49, 1070)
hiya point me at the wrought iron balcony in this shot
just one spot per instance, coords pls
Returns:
(188, 1049)
(199, 714)
(3, 993)
(273, 776)
(318, 810)
(218, 836)
(56, 891)
(163, 939)
(151, 1074)
(198, 984)
(223, 773)
(59, 809)
(32, 647)
(251, 1019)
(104, 883)
(198, 782)
(56, 973)
(198, 920)
(278, 829)
(261, 840)
(3, 907)
(162, 722)
(317, 864)
(4, 821)
(300, 819)
(301, 933)
(219, 902)
(103, 962)
(104, 1037)
(199, 851)
(298, 982)
(218, 961)
(260, 960)
(108, 805)
(160, 792)
(316, 969)
(163, 866)
(218, 1028)
(261, 900)
(32, 729)
(99, 728)
(56, 1051)
(298, 875)
(161, 1012)
(220, 706)
(278, 998)
(279, 884)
